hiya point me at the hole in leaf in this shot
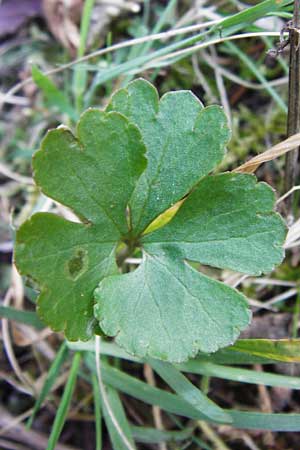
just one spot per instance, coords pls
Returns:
(77, 265)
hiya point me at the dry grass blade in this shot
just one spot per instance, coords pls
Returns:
(156, 411)
(6, 97)
(196, 47)
(274, 152)
(7, 172)
(27, 383)
(16, 431)
(293, 235)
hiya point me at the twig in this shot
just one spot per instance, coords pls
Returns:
(7, 172)
(281, 297)
(13, 100)
(272, 282)
(201, 78)
(266, 406)
(16, 431)
(288, 193)
(220, 85)
(236, 79)
(156, 411)
(212, 436)
(293, 125)
(293, 235)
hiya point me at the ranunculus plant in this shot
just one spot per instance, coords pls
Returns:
(122, 169)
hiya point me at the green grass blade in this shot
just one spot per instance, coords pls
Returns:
(84, 25)
(185, 389)
(107, 348)
(80, 74)
(63, 408)
(119, 413)
(227, 26)
(263, 421)
(144, 49)
(284, 350)
(176, 405)
(240, 375)
(49, 381)
(98, 417)
(224, 356)
(228, 356)
(142, 391)
(25, 317)
(250, 15)
(234, 50)
(149, 435)
(54, 96)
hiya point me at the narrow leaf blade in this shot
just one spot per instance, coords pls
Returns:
(54, 96)
(185, 389)
(49, 381)
(285, 350)
(63, 408)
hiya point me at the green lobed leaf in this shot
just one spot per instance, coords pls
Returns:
(167, 310)
(67, 260)
(227, 222)
(184, 142)
(94, 174)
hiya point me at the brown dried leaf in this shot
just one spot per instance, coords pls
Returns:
(279, 149)
(63, 18)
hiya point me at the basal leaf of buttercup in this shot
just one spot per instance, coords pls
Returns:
(227, 222)
(94, 174)
(184, 142)
(167, 310)
(164, 309)
(67, 260)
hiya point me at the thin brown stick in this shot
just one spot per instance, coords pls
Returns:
(16, 431)
(156, 411)
(266, 407)
(293, 125)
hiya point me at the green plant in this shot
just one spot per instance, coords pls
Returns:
(125, 167)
